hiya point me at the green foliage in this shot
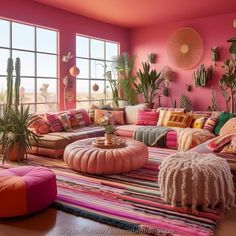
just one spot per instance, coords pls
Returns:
(114, 88)
(228, 83)
(14, 129)
(185, 102)
(9, 81)
(202, 76)
(150, 82)
(17, 82)
(124, 65)
(232, 48)
(110, 129)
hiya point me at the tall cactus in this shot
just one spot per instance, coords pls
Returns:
(9, 82)
(17, 82)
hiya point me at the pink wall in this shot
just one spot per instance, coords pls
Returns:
(67, 24)
(214, 32)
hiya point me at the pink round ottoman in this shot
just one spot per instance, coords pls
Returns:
(24, 190)
(84, 157)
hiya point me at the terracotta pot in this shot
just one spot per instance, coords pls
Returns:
(109, 138)
(13, 153)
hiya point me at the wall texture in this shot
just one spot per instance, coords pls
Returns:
(68, 25)
(214, 31)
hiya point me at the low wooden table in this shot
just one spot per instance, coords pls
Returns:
(85, 157)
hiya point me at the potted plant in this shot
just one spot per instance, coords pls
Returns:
(150, 82)
(228, 83)
(124, 64)
(110, 131)
(16, 135)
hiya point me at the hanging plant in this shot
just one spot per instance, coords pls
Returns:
(202, 76)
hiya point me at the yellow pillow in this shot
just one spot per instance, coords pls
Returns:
(198, 123)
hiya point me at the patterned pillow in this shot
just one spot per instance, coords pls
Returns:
(218, 142)
(178, 119)
(76, 118)
(80, 112)
(115, 117)
(164, 116)
(40, 126)
(210, 124)
(147, 118)
(65, 121)
(53, 122)
(229, 149)
(198, 123)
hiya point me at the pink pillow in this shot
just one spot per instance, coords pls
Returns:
(53, 122)
(218, 142)
(81, 111)
(147, 118)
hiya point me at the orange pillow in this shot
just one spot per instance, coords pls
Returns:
(40, 126)
(115, 117)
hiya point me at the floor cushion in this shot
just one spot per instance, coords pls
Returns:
(27, 189)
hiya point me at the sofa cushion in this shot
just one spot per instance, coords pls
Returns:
(199, 123)
(79, 117)
(131, 113)
(40, 126)
(147, 118)
(229, 127)
(222, 119)
(65, 121)
(114, 117)
(53, 122)
(210, 123)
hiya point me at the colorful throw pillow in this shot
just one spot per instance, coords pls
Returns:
(164, 116)
(147, 118)
(92, 109)
(74, 112)
(131, 113)
(218, 142)
(222, 119)
(198, 123)
(114, 117)
(179, 119)
(65, 121)
(40, 126)
(53, 122)
(76, 118)
(229, 149)
(229, 127)
(210, 124)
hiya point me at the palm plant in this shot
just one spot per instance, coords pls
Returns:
(150, 82)
(14, 128)
(185, 102)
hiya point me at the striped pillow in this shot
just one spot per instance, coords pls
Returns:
(53, 122)
(65, 121)
(76, 118)
(218, 142)
(147, 118)
(210, 124)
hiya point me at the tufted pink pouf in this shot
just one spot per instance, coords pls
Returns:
(24, 190)
(84, 157)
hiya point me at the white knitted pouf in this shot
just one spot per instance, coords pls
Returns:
(196, 179)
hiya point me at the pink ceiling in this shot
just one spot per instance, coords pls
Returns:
(135, 13)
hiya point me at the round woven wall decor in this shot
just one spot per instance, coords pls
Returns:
(184, 48)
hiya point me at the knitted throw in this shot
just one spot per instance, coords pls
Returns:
(196, 179)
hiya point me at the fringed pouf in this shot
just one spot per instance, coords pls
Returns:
(196, 179)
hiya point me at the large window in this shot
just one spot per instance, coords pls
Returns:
(37, 49)
(94, 57)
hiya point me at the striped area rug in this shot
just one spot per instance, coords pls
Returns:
(129, 201)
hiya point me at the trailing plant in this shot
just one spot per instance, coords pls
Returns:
(228, 83)
(124, 65)
(149, 82)
(185, 102)
(202, 76)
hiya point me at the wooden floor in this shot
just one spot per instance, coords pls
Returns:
(51, 222)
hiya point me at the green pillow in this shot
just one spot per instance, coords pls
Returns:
(222, 119)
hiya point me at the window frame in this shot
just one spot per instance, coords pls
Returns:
(91, 79)
(36, 53)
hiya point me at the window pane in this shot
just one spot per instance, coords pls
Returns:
(84, 105)
(111, 51)
(108, 90)
(97, 69)
(100, 94)
(4, 33)
(3, 89)
(47, 90)
(41, 108)
(46, 40)
(97, 49)
(82, 46)
(31, 107)
(82, 89)
(27, 90)
(4, 55)
(83, 65)
(27, 62)
(22, 36)
(46, 65)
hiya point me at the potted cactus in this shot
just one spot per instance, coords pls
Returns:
(202, 76)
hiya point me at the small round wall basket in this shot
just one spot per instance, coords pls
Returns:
(184, 48)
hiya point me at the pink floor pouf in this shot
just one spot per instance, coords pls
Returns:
(24, 190)
(84, 157)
